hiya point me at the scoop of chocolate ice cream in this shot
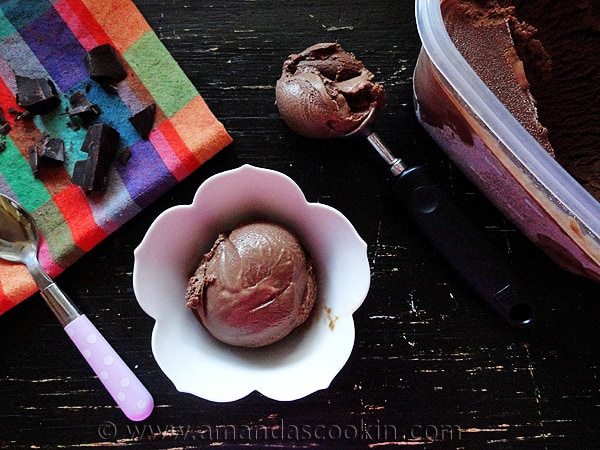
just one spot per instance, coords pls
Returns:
(325, 92)
(254, 286)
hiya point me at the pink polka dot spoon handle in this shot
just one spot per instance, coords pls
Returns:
(122, 384)
(19, 243)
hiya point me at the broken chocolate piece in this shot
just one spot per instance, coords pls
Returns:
(4, 125)
(100, 143)
(73, 125)
(124, 155)
(48, 151)
(52, 150)
(18, 115)
(82, 106)
(34, 159)
(143, 120)
(36, 95)
(104, 65)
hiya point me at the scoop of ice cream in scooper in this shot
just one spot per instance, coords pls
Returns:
(326, 92)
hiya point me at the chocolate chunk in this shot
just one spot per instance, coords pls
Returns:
(104, 65)
(2, 146)
(23, 115)
(100, 143)
(18, 115)
(73, 125)
(36, 95)
(52, 150)
(124, 155)
(34, 158)
(48, 151)
(4, 125)
(82, 106)
(143, 120)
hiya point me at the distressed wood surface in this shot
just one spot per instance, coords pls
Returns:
(431, 368)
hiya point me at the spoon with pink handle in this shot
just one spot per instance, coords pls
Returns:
(19, 243)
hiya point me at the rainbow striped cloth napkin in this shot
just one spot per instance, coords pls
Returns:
(49, 38)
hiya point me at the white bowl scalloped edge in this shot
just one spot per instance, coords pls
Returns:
(305, 361)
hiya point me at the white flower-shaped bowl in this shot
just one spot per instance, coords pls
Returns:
(305, 361)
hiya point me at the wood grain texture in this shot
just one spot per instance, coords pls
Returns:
(432, 367)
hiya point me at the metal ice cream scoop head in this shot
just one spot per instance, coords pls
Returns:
(19, 240)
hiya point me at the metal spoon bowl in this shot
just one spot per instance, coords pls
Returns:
(19, 240)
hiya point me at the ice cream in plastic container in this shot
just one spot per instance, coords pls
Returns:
(493, 149)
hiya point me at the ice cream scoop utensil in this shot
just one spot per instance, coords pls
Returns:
(465, 247)
(19, 240)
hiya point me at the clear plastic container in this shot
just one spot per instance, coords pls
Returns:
(498, 155)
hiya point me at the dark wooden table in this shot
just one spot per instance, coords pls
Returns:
(431, 367)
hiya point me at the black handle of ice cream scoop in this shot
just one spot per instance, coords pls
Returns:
(465, 247)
